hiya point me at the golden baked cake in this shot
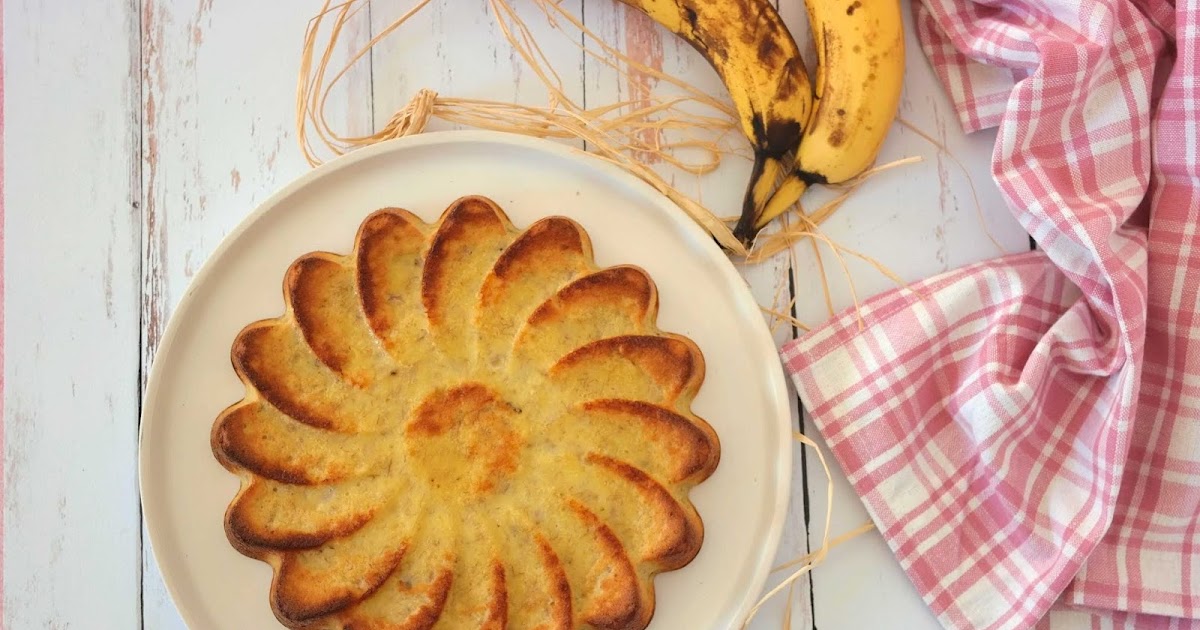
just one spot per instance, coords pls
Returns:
(465, 425)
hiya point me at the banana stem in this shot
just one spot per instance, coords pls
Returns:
(762, 181)
(788, 194)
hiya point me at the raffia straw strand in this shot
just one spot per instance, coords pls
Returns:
(784, 239)
(820, 215)
(792, 303)
(875, 170)
(987, 230)
(787, 612)
(838, 540)
(796, 235)
(552, 6)
(821, 270)
(827, 209)
(818, 556)
(794, 265)
(786, 318)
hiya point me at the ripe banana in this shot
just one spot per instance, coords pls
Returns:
(758, 60)
(860, 73)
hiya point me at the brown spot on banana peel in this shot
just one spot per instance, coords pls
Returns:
(834, 50)
(793, 68)
(779, 137)
(811, 178)
(769, 52)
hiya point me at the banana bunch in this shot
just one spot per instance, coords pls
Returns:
(826, 131)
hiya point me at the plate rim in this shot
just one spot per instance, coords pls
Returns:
(777, 384)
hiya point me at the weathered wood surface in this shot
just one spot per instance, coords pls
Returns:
(137, 135)
(71, 524)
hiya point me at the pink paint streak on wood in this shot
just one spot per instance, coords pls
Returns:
(155, 252)
(643, 43)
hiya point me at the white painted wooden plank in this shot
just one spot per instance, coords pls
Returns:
(917, 220)
(457, 49)
(722, 191)
(71, 525)
(219, 137)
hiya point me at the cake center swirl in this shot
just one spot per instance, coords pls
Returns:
(465, 438)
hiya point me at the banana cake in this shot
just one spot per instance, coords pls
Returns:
(465, 425)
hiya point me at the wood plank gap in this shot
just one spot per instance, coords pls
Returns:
(812, 603)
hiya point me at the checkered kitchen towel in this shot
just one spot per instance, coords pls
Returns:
(1025, 432)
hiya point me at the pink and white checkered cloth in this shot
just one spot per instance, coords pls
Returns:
(1025, 432)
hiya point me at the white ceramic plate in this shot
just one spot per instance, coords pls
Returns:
(185, 491)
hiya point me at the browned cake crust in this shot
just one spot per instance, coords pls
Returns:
(465, 425)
